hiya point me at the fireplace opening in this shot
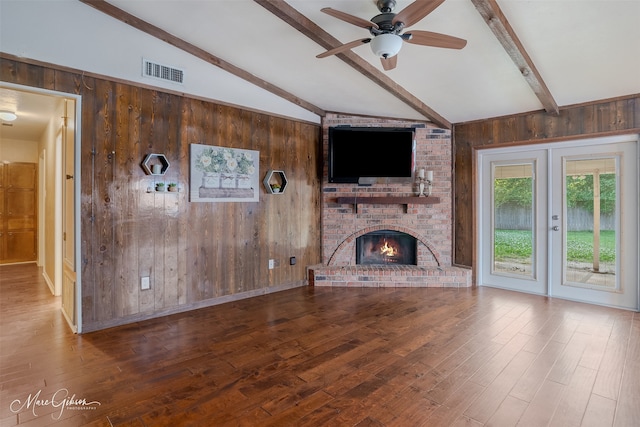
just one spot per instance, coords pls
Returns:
(386, 247)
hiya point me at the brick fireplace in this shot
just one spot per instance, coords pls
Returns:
(396, 209)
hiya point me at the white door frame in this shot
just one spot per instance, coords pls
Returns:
(41, 198)
(57, 213)
(77, 193)
(482, 189)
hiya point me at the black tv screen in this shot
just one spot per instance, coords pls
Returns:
(356, 153)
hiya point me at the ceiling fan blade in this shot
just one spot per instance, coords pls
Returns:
(427, 38)
(416, 11)
(351, 19)
(389, 63)
(343, 47)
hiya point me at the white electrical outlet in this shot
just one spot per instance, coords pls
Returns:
(272, 263)
(144, 283)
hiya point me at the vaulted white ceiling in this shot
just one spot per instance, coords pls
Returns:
(584, 50)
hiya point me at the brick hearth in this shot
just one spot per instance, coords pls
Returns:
(383, 276)
(430, 224)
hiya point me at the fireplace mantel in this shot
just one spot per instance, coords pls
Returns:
(388, 200)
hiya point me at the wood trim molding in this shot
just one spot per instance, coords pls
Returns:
(119, 14)
(291, 16)
(503, 31)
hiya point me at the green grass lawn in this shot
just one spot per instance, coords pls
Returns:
(516, 244)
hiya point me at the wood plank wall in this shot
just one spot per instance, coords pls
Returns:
(196, 254)
(603, 118)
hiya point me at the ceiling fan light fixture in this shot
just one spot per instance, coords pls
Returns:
(386, 45)
(8, 116)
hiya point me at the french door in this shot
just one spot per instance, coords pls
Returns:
(562, 220)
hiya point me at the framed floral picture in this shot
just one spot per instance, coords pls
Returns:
(222, 174)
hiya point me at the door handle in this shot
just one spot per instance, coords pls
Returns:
(555, 228)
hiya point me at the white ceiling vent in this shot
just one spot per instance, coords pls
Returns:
(162, 72)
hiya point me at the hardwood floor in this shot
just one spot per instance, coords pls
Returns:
(323, 357)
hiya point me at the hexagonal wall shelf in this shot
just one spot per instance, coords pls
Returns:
(152, 161)
(273, 178)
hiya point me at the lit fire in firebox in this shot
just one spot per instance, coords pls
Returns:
(387, 250)
(386, 247)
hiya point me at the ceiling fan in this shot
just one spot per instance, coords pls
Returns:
(386, 29)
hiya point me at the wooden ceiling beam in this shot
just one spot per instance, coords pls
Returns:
(503, 31)
(291, 16)
(119, 14)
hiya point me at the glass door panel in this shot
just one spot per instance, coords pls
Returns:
(513, 214)
(591, 214)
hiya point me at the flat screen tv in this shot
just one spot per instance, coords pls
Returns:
(360, 155)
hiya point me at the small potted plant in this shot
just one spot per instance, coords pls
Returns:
(173, 187)
(275, 188)
(160, 186)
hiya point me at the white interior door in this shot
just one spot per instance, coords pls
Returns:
(562, 220)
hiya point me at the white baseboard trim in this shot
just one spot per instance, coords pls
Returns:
(71, 325)
(49, 282)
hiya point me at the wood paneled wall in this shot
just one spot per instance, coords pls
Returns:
(196, 254)
(608, 117)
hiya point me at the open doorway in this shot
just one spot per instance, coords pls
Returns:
(46, 136)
